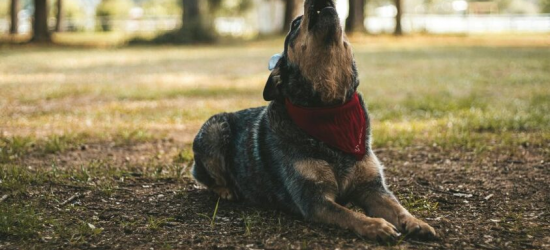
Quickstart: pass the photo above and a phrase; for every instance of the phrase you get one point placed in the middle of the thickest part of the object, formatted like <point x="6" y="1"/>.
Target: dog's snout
<point x="319" y="4"/>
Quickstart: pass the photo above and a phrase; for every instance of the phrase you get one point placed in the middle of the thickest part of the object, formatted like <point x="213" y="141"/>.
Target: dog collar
<point x="342" y="127"/>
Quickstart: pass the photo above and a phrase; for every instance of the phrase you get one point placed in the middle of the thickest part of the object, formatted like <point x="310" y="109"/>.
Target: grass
<point x="416" y="94"/>
<point x="28" y="219"/>
<point x="132" y="136"/>
<point x="16" y="179"/>
<point x="456" y="95"/>
<point x="213" y="218"/>
<point x="417" y="204"/>
<point x="254" y="219"/>
<point x="19" y="221"/>
<point x="155" y="224"/>
<point x="14" y="147"/>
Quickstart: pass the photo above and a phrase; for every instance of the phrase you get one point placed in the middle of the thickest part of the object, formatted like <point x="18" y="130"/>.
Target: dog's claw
<point x="417" y="228"/>
<point x="378" y="229"/>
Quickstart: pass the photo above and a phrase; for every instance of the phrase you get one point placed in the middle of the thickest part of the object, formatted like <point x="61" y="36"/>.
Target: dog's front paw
<point x="412" y="226"/>
<point x="377" y="229"/>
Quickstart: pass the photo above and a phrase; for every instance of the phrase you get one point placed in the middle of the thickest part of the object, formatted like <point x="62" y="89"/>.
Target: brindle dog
<point x="261" y="156"/>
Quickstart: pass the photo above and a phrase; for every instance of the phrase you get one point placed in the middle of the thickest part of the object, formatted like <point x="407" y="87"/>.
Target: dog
<point x="308" y="152"/>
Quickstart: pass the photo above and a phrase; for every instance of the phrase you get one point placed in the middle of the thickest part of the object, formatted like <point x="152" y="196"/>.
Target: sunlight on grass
<point x="455" y="95"/>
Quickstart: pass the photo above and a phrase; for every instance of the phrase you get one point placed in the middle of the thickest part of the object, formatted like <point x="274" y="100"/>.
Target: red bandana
<point x="341" y="127"/>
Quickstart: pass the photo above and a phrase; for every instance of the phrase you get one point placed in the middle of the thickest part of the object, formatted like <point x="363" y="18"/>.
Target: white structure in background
<point x="460" y="5"/>
<point x="462" y="24"/>
<point x="270" y="16"/>
<point x="459" y="17"/>
<point x="266" y="18"/>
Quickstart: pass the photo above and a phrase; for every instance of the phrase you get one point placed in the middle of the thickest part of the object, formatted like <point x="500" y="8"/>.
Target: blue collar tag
<point x="273" y="61"/>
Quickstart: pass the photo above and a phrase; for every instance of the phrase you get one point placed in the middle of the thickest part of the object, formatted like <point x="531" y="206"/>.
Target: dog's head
<point x="317" y="66"/>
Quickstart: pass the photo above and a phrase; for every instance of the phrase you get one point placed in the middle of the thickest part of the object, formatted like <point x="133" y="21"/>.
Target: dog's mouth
<point x="321" y="14"/>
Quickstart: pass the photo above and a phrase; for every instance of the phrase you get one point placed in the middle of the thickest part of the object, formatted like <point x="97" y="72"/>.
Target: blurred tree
<point x="4" y="8"/>
<point x="545" y="6"/>
<point x="197" y="23"/>
<point x="356" y="18"/>
<point x="40" y="23"/>
<point x="230" y="7"/>
<point x="293" y="8"/>
<point x="59" y="16"/>
<point x="109" y="9"/>
<point x="161" y="7"/>
<point x="70" y="10"/>
<point x="398" y="30"/>
<point x="14" y="19"/>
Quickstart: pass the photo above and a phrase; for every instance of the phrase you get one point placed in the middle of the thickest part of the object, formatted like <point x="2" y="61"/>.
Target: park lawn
<point x="95" y="143"/>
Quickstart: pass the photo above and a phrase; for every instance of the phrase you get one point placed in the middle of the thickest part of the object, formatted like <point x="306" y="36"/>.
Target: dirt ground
<point x="494" y="200"/>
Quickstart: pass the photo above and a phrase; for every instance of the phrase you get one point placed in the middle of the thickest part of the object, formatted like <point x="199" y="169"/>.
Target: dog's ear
<point x="271" y="90"/>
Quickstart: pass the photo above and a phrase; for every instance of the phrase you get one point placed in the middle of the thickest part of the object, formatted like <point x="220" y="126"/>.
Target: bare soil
<point x="490" y="200"/>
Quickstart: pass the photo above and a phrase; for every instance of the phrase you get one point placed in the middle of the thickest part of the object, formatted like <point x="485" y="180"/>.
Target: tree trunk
<point x="293" y="8"/>
<point x="59" y="18"/>
<point x="14" y="9"/>
<point x="195" y="12"/>
<point x="198" y="25"/>
<point x="40" y="22"/>
<point x="356" y="18"/>
<point x="398" y="31"/>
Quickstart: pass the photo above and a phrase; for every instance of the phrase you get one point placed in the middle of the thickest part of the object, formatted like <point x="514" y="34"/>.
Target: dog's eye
<point x="296" y="23"/>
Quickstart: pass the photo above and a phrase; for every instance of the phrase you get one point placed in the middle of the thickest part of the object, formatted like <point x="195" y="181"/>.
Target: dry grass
<point x="416" y="93"/>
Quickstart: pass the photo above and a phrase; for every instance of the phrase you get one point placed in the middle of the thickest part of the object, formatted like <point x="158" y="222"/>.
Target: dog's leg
<point x="210" y="149"/>
<point x="329" y="212"/>
<point x="377" y="201"/>
<point x="315" y="192"/>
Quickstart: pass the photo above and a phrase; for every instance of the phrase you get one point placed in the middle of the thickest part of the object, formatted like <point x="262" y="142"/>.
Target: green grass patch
<point x="132" y="137"/>
<point x="154" y="223"/>
<point x="14" y="147"/>
<point x="15" y="178"/>
<point x="57" y="144"/>
<point x="19" y="221"/>
<point x="417" y="204"/>
<point x="184" y="156"/>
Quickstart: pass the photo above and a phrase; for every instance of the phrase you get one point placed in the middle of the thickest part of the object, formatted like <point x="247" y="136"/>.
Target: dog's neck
<point x="302" y="92"/>
<point x="342" y="127"/>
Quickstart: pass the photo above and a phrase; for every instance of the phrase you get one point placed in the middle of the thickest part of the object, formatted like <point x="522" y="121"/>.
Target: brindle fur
<point x="261" y="156"/>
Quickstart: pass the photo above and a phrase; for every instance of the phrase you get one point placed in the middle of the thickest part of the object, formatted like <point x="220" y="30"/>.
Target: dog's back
<point x="246" y="161"/>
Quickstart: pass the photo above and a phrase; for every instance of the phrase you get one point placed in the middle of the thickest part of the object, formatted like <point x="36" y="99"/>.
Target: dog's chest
<point x="348" y="176"/>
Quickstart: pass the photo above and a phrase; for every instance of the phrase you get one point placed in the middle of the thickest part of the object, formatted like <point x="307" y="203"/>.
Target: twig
<point x="71" y="199"/>
<point x="486" y="246"/>
<point x="423" y="243"/>
<point x="124" y="189"/>
<point x="4" y="198"/>
<point x="378" y="150"/>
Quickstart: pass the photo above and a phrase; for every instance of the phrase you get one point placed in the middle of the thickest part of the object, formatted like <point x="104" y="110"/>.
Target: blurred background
<point x="95" y="67"/>
<point x="255" y="18"/>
